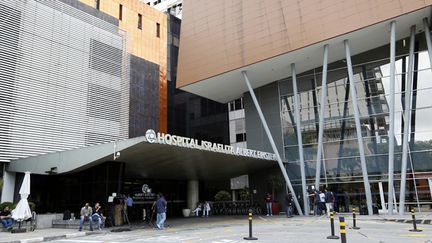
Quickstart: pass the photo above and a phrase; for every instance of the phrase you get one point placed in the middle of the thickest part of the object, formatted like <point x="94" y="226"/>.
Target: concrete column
<point x="192" y="194"/>
<point x="392" y="109"/>
<point x="407" y="120"/>
<point x="8" y="187"/>
<point x="321" y="120"/>
<point x="272" y="143"/>
<point x="358" y="128"/>
<point x="300" y="140"/>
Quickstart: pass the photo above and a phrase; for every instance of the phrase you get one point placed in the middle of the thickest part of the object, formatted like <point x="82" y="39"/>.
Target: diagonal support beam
<point x="407" y="118"/>
<point x="299" y="140"/>
<point x="358" y="128"/>
<point x="392" y="115"/>
<point x="272" y="143"/>
<point x="321" y="118"/>
<point x="428" y="39"/>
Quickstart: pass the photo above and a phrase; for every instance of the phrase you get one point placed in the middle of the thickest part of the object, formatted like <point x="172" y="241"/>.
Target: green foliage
<point x="276" y="183"/>
<point x="7" y="204"/>
<point x="222" y="196"/>
<point x="245" y="194"/>
<point x="1" y="183"/>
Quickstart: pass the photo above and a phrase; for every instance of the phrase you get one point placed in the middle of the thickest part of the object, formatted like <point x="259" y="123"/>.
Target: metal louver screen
<point x="64" y="79"/>
<point x="105" y="58"/>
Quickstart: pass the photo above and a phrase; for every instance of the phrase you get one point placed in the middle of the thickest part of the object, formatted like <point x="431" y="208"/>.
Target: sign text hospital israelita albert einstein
<point x="162" y="138"/>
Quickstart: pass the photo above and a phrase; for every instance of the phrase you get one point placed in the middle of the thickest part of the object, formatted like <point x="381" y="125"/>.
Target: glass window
<point x="120" y="12"/>
<point x="139" y="21"/>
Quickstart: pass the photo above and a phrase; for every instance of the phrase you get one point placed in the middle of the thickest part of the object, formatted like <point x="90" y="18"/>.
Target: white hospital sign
<point x="162" y="138"/>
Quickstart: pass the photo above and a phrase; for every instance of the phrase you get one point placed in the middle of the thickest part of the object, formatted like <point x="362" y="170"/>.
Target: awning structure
<point x="146" y="160"/>
<point x="229" y="85"/>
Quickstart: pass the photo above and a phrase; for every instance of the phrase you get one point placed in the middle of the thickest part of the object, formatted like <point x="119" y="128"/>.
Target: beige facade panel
<point x="224" y="35"/>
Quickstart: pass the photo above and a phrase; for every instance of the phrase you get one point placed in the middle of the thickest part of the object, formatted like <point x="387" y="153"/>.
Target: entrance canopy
<point x="267" y="58"/>
<point x="154" y="159"/>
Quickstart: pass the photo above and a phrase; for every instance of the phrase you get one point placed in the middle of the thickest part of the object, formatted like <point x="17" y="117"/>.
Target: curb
<point x="409" y="221"/>
<point x="52" y="237"/>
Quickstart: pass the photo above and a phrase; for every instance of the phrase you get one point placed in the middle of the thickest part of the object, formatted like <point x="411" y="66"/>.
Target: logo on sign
<point x="150" y="136"/>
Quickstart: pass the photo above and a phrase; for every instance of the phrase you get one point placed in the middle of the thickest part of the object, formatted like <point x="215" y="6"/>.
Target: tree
<point x="276" y="182"/>
<point x="222" y="196"/>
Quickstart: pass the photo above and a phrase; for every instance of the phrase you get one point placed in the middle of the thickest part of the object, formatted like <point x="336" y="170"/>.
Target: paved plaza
<point x="266" y="229"/>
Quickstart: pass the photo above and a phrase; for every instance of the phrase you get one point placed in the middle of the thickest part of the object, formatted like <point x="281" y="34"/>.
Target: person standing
<point x="322" y="202"/>
<point x="269" y="201"/>
<point x="129" y="204"/>
<point x="161" y="206"/>
<point x="6" y="218"/>
<point x="289" y="200"/>
<point x="329" y="199"/>
<point x="317" y="203"/>
<point x="86" y="214"/>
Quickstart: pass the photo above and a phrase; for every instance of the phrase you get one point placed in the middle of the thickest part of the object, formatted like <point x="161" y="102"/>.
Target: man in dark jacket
<point x="289" y="201"/>
<point x="6" y="218"/>
<point x="329" y="199"/>
<point x="161" y="205"/>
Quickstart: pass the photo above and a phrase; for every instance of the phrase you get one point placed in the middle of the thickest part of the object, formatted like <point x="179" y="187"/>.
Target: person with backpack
<point x="329" y="199"/>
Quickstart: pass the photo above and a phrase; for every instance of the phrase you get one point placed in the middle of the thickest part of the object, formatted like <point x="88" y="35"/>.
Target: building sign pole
<point x="358" y="128"/>
<point x="299" y="140"/>
<point x="321" y="119"/>
<point x="392" y="108"/>
<point x="272" y="143"/>
<point x="407" y="119"/>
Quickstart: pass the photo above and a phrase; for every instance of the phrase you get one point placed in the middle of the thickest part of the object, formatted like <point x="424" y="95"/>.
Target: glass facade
<point x="341" y="169"/>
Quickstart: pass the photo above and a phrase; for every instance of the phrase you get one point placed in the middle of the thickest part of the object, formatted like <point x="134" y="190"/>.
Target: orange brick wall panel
<point x="223" y="35"/>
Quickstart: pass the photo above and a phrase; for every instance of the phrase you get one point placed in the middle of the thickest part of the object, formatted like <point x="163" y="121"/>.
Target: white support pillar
<point x="428" y="40"/>
<point x="8" y="186"/>
<point x="321" y="118"/>
<point x="300" y="140"/>
<point x="272" y="143"/>
<point x="358" y="128"/>
<point x="192" y="194"/>
<point x="392" y="111"/>
<point x="407" y="122"/>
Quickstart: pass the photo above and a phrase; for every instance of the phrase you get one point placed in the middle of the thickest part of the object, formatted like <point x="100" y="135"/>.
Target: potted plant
<point x="222" y="196"/>
<point x="245" y="194"/>
<point x="277" y="183"/>
<point x="186" y="212"/>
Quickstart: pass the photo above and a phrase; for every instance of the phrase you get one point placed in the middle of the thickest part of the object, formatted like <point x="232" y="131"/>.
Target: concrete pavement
<point x="230" y="229"/>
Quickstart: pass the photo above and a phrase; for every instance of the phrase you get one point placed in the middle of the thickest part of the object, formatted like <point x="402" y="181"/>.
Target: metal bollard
<point x="332" y="236"/>
<point x="342" y="229"/>
<point x="414" y="222"/>
<point x="354" y="220"/>
<point x="250" y="228"/>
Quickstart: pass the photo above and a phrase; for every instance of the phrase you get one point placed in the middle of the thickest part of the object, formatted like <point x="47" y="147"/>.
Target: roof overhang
<point x="145" y="160"/>
<point x="230" y="85"/>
